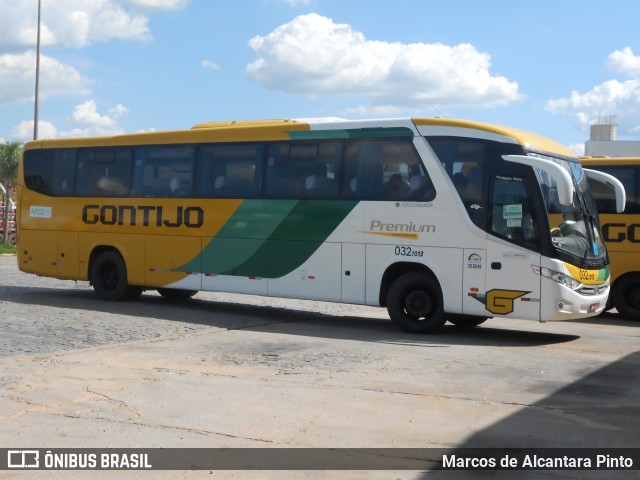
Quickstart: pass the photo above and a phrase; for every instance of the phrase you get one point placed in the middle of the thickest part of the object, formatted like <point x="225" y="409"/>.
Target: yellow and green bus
<point x="434" y="219"/>
<point x="620" y="230"/>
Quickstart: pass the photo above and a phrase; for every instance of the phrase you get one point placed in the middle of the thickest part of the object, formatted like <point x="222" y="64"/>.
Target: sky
<point x="107" y="67"/>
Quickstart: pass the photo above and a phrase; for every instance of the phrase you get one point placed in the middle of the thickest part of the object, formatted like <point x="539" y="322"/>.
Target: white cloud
<point x="24" y="130"/>
<point x="160" y="4"/>
<point x="210" y="64"/>
<point x="89" y="122"/>
<point x="77" y="23"/>
<point x="64" y="24"/>
<point x="613" y="97"/>
<point x="68" y="23"/>
<point x="295" y="3"/>
<point x="624" y="62"/>
<point x="87" y="114"/>
<point x="17" y="78"/>
<point x="312" y="55"/>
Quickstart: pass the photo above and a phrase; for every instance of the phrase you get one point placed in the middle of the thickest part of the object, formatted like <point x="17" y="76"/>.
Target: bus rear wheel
<point x="109" y="278"/>
<point x="414" y="303"/>
<point x="626" y="296"/>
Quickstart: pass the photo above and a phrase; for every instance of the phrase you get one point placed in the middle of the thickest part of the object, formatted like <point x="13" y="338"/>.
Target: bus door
<point x="512" y="287"/>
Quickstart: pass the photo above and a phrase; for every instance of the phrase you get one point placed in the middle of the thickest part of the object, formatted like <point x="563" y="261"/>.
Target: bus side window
<point x="164" y="171"/>
<point x="104" y="172"/>
<point x="51" y="172"/>
<point x="303" y="169"/>
<point x="229" y="170"/>
<point x="278" y="180"/>
<point x="604" y="195"/>
<point x="468" y="162"/>
<point x="363" y="169"/>
<point x="385" y="169"/>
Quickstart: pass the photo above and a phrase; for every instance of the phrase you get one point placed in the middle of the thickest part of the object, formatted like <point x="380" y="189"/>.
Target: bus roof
<point x="280" y="129"/>
<point x="527" y="139"/>
<point x="604" y="160"/>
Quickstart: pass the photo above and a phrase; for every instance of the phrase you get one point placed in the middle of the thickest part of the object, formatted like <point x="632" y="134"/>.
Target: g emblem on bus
<point x="500" y="301"/>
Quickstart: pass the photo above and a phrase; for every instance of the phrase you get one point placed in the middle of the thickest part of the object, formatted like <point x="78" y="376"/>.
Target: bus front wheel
<point x="626" y="296"/>
<point x="109" y="278"/>
<point x="414" y="303"/>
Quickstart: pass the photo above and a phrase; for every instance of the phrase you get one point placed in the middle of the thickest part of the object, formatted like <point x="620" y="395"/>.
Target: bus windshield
<point x="574" y="228"/>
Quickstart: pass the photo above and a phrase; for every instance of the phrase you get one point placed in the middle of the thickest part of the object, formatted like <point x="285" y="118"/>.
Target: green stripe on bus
<point x="296" y="238"/>
<point x="351" y="133"/>
<point x="270" y="238"/>
<point x="244" y="232"/>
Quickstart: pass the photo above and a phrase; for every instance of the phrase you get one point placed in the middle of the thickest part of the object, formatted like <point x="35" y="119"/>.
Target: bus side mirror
<point x="559" y="174"/>
<point x="621" y="194"/>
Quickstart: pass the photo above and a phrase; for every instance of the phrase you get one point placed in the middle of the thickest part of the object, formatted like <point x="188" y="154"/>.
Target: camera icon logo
<point x="23" y="459"/>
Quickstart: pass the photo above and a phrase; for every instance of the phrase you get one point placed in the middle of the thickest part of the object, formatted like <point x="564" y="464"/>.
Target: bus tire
<point x="466" y="321"/>
<point x="626" y="296"/>
<point x="109" y="278"/>
<point x="415" y="304"/>
<point x="176" y="293"/>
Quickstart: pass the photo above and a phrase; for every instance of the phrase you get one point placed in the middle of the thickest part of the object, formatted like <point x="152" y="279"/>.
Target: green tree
<point x="9" y="157"/>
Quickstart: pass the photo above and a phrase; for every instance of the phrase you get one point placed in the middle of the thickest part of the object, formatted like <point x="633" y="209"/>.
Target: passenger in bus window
<point x="420" y="185"/>
<point x="111" y="186"/>
<point x="180" y="187"/>
<point x="396" y="187"/>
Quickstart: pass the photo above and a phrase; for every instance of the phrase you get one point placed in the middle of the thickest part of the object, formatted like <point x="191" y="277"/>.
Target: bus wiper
<point x="589" y="219"/>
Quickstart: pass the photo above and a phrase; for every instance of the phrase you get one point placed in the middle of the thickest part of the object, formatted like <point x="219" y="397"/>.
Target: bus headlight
<point x="561" y="278"/>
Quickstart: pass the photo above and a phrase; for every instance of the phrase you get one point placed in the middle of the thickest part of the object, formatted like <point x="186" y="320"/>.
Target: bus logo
<point x="619" y="232"/>
<point x="145" y="215"/>
<point x="23" y="458"/>
<point x="398" y="230"/>
<point x="499" y="301"/>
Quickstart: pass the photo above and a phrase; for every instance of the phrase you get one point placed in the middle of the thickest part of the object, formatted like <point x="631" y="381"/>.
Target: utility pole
<point x="35" y="113"/>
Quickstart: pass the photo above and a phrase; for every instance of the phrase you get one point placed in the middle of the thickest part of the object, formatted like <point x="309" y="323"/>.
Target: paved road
<point x="214" y="372"/>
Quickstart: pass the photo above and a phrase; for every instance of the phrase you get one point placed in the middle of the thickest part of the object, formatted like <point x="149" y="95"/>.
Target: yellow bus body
<point x="621" y="231"/>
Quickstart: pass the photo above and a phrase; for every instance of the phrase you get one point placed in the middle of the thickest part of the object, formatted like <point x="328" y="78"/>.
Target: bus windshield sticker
<point x="512" y="211"/>
<point x="514" y="222"/>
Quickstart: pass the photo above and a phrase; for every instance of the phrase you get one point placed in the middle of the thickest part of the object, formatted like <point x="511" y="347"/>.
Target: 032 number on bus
<point x="403" y="251"/>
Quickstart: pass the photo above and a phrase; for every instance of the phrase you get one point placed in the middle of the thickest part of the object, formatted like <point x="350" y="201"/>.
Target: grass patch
<point x="6" y="248"/>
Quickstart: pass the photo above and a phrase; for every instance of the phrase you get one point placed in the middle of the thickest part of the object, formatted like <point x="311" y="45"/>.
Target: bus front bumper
<point x="569" y="304"/>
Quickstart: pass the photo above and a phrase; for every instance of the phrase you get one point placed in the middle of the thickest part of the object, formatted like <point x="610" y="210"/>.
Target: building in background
<point x="603" y="141"/>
